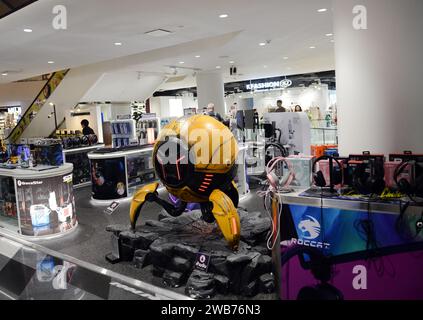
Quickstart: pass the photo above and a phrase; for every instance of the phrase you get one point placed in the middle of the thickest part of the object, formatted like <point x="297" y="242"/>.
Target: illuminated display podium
<point x="37" y="202"/>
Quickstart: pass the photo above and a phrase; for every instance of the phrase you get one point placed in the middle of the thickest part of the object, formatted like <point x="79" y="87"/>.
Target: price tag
<point x="112" y="208"/>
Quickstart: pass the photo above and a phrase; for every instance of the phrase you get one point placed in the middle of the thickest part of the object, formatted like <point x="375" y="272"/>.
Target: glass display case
<point x="37" y="202"/>
<point x="81" y="164"/>
<point x="324" y="136"/>
<point x="118" y="173"/>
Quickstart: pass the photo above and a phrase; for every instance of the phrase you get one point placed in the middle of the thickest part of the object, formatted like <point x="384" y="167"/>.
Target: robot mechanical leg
<point x="149" y="193"/>
<point x="226" y="217"/>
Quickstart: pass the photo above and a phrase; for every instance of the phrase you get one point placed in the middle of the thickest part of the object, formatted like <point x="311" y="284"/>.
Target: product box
<point x="324" y="167"/>
<point x="302" y="167"/>
<point x="390" y="167"/>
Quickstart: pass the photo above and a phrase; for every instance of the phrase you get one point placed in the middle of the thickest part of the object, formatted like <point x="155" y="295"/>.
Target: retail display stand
<point x="357" y="238"/>
<point x="37" y="202"/>
<point x="117" y="173"/>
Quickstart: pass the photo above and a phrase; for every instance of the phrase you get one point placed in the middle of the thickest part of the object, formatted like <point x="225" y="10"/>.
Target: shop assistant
<point x="86" y="130"/>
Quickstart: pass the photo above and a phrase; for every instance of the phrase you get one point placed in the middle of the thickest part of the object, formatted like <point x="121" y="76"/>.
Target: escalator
<point x="7" y="7"/>
<point x="40" y="100"/>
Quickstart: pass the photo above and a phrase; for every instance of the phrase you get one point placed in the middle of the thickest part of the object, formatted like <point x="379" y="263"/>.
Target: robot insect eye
<point x="172" y="162"/>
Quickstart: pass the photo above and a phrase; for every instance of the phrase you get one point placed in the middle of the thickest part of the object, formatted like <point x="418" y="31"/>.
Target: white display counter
<point x="37" y="202"/>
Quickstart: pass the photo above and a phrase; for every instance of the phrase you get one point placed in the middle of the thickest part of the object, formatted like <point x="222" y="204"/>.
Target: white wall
<point x="379" y="76"/>
<point x="160" y="105"/>
<point x="20" y="93"/>
<point x="74" y="123"/>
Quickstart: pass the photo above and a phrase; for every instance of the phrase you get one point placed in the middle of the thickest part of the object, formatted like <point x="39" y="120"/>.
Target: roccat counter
<point x="117" y="173"/>
<point x="364" y="249"/>
<point x="37" y="202"/>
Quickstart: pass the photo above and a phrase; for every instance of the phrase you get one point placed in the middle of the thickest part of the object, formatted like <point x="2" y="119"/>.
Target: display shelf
<point x="117" y="174"/>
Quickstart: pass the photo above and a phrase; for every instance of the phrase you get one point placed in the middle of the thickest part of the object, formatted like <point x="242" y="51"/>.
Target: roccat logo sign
<point x="309" y="230"/>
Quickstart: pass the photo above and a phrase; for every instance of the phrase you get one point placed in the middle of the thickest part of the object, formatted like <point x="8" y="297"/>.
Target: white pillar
<point x="379" y="74"/>
<point x="210" y="89"/>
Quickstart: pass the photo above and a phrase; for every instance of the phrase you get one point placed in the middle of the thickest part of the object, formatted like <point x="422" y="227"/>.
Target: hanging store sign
<point x="286" y="83"/>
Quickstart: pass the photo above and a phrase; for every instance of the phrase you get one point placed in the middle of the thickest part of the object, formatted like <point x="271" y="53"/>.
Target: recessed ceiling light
<point x="118" y="43"/>
<point x="50" y="62"/>
<point x="27" y="30"/>
<point x="4" y="74"/>
<point x="329" y="34"/>
<point x="285" y="58"/>
<point x="222" y="16"/>
<point x="231" y="62"/>
<point x="322" y="10"/>
<point x="218" y="67"/>
<point x="332" y="40"/>
<point x="181" y="62"/>
<point x="197" y="56"/>
<point x="262" y="44"/>
<point x="312" y="47"/>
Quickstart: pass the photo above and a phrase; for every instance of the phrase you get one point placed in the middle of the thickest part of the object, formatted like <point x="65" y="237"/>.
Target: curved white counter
<point x="37" y="202"/>
<point x="37" y="172"/>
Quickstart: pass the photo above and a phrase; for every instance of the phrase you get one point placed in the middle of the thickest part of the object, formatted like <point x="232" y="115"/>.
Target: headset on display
<point x="415" y="188"/>
<point x="369" y="184"/>
<point x="337" y="177"/>
<point x="274" y="180"/>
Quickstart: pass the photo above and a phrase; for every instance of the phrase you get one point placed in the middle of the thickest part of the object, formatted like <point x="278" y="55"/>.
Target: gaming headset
<point x="369" y="183"/>
<point x="272" y="177"/>
<point x="415" y="188"/>
<point x="318" y="177"/>
<point x="321" y="270"/>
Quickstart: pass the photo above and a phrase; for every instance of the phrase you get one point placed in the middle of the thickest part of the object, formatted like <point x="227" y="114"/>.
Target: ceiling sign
<point x="269" y="85"/>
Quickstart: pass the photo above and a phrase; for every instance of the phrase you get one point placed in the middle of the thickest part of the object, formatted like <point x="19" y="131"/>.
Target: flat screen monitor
<point x="240" y="119"/>
<point x="249" y="119"/>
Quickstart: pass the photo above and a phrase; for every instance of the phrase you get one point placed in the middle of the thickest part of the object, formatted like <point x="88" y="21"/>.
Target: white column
<point x="210" y="89"/>
<point x="379" y="74"/>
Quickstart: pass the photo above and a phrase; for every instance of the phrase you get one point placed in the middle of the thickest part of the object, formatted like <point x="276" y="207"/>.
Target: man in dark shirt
<point x="86" y="130"/>
<point x="279" y="107"/>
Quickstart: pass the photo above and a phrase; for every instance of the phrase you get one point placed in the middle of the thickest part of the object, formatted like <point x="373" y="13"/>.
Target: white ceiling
<point x="95" y="25"/>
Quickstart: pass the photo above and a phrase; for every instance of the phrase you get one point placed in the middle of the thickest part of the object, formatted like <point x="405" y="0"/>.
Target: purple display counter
<point x="370" y="250"/>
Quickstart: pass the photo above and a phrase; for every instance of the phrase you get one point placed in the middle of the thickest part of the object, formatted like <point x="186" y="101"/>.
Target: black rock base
<point x="171" y="246"/>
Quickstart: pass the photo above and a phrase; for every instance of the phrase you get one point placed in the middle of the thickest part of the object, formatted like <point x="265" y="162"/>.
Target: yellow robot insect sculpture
<point x="195" y="159"/>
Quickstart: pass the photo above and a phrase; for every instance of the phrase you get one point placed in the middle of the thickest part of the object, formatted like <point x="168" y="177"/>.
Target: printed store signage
<point x="46" y="206"/>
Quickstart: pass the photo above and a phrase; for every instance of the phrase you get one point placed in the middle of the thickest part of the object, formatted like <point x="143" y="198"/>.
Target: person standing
<point x="279" y="107"/>
<point x="212" y="113"/>
<point x="298" y="108"/>
<point x="86" y="130"/>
